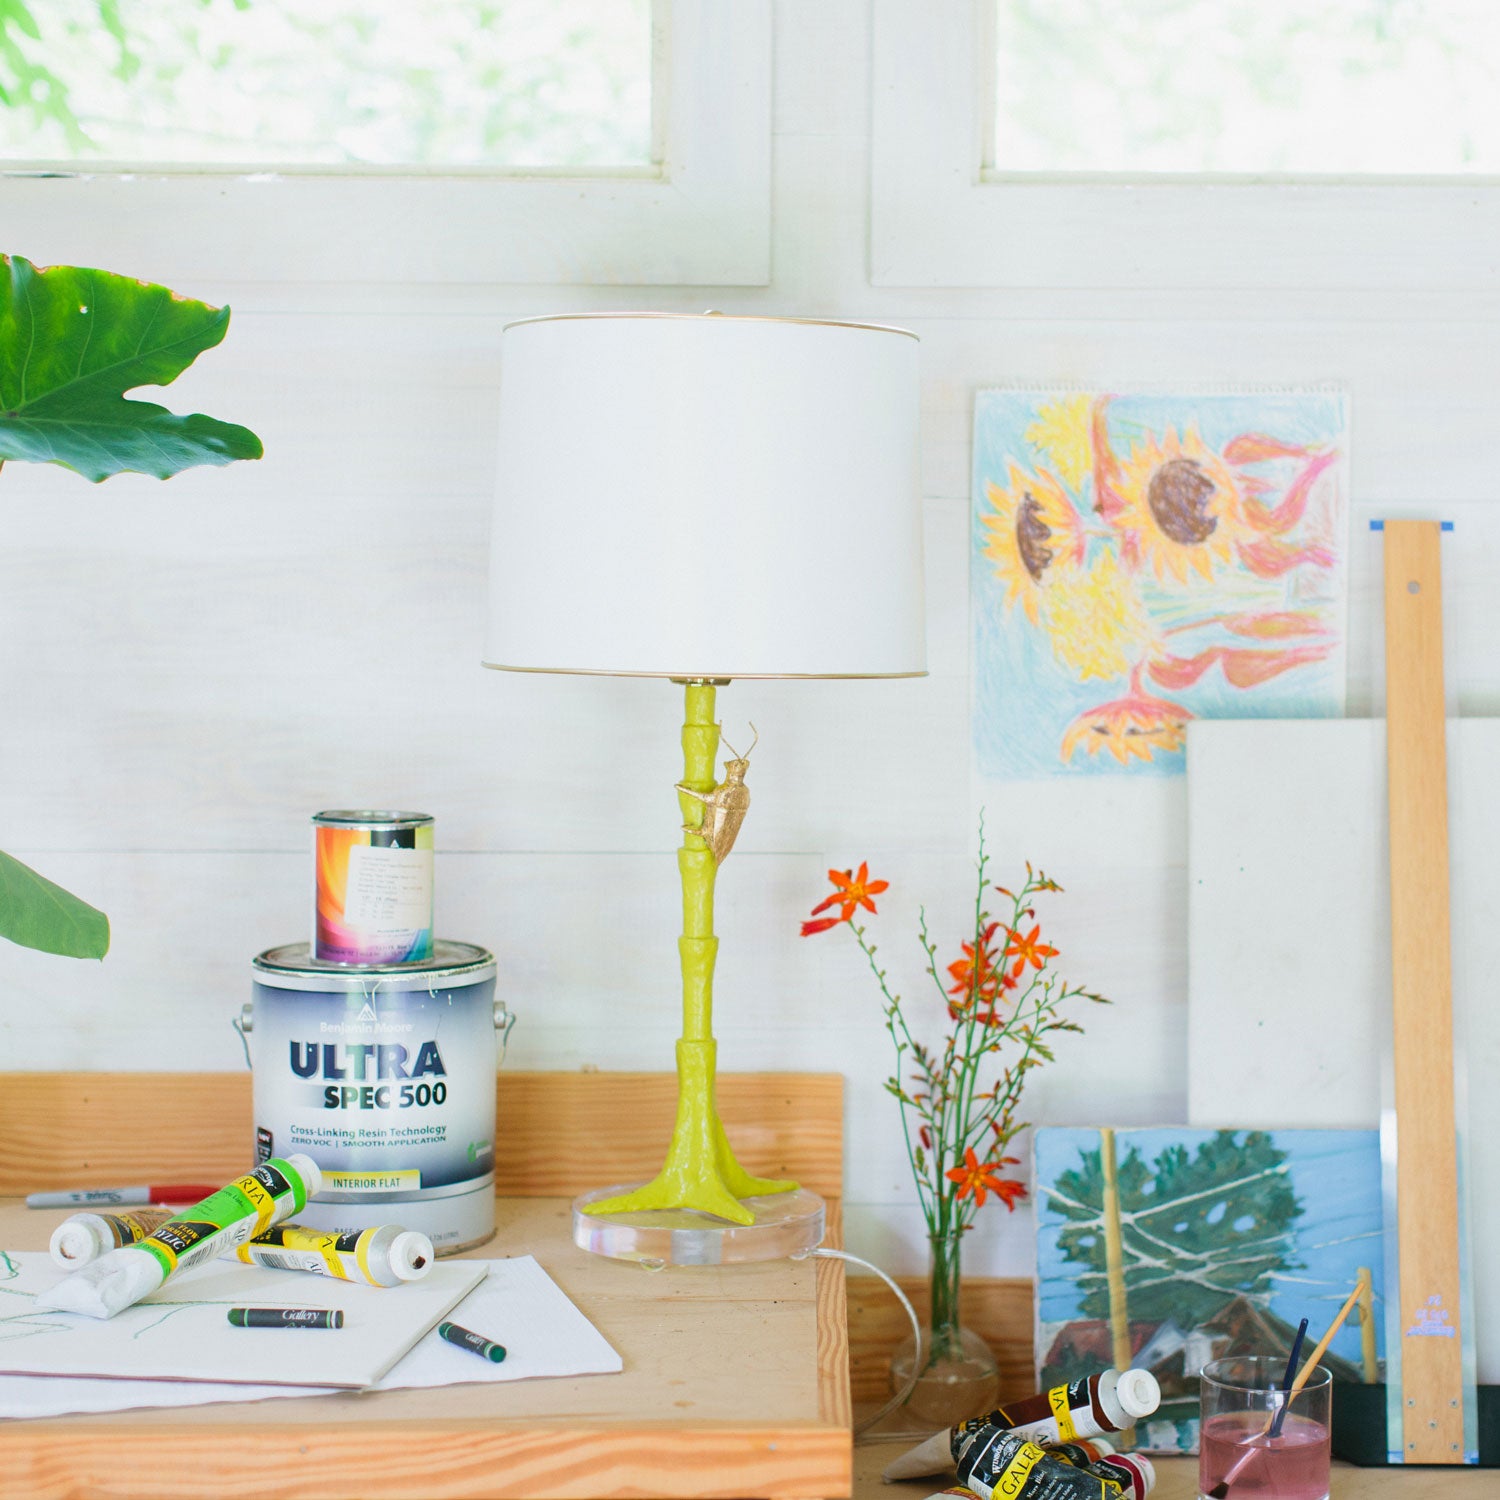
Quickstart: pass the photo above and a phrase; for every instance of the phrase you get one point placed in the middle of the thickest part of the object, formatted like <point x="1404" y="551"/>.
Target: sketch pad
<point x="518" y="1304"/>
<point x="182" y="1331"/>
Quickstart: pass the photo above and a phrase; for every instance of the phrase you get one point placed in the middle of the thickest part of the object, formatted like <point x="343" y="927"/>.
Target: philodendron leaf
<point x="37" y="914"/>
<point x="72" y="342"/>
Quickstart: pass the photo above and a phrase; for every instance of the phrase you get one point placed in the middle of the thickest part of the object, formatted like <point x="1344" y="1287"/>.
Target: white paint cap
<point x="307" y="1169"/>
<point x="75" y="1242"/>
<point x="1138" y="1393"/>
<point x="411" y="1255"/>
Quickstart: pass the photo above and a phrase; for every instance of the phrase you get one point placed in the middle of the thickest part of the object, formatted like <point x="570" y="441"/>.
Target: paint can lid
<point x="411" y="1255"/>
<point x="378" y="818"/>
<point x="293" y="967"/>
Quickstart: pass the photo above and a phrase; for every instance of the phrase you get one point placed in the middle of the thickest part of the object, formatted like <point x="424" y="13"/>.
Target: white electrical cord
<point x="916" y="1332"/>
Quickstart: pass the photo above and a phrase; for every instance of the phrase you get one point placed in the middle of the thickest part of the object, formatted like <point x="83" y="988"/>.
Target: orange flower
<point x="821" y="925"/>
<point x="976" y="977"/>
<point x="1132" y="726"/>
<point x="852" y="891"/>
<point x="979" y="1178"/>
<point x="1024" y="949"/>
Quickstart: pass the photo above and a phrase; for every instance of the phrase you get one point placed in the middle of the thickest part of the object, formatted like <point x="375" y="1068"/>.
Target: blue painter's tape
<point x="1380" y="525"/>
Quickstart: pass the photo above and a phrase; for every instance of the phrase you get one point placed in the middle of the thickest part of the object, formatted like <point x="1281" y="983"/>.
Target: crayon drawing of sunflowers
<point x="1141" y="561"/>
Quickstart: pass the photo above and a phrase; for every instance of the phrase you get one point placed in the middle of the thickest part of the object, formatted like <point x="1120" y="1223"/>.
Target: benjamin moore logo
<point x="368" y="1013"/>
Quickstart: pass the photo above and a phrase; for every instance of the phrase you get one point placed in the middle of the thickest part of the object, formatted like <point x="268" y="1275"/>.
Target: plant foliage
<point x="37" y="914"/>
<point x="72" y="342"/>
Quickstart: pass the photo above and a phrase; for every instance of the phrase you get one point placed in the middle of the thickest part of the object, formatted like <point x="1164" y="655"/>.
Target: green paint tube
<point x="249" y="1206"/>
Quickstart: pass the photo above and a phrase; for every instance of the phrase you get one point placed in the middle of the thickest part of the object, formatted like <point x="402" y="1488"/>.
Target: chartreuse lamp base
<point x="702" y="1208"/>
<point x="782" y="1224"/>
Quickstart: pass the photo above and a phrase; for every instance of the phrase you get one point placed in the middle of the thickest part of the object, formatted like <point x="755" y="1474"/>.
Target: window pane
<point x="501" y="83"/>
<point x="1285" y="86"/>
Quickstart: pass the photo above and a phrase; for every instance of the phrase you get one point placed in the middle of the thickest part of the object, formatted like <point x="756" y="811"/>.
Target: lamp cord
<point x="901" y="1396"/>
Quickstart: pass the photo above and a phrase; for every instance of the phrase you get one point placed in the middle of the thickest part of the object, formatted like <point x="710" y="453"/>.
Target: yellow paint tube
<point x="82" y="1238"/>
<point x="246" y="1207"/>
<point x="384" y="1256"/>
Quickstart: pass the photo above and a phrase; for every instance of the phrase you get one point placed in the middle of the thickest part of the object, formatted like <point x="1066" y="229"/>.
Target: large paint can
<point x="374" y="886"/>
<point x="385" y="1076"/>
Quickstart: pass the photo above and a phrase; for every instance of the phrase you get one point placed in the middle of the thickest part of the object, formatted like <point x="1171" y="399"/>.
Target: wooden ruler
<point x="1421" y="966"/>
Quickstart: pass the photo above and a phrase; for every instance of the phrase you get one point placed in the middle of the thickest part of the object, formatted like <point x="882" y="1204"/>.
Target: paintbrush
<point x="1221" y="1489"/>
<point x="1286" y="1380"/>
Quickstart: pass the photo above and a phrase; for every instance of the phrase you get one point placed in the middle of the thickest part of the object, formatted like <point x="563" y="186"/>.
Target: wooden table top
<point x="728" y="1372"/>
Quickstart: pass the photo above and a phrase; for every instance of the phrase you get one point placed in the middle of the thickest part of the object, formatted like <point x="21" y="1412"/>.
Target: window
<point x="948" y="210"/>
<point x="497" y="83"/>
<point x="1247" y="86"/>
<point x="408" y="168"/>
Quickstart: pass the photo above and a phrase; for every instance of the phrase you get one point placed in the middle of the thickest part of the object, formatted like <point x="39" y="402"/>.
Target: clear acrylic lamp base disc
<point x="785" y="1224"/>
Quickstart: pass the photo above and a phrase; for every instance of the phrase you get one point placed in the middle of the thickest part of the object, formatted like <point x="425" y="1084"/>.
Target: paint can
<point x="374" y="886"/>
<point x="385" y="1076"/>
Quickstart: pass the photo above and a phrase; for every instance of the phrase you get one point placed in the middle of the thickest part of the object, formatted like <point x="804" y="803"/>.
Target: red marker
<point x="125" y="1197"/>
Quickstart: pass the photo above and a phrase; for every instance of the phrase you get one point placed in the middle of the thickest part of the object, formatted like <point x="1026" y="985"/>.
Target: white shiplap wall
<point x="189" y="670"/>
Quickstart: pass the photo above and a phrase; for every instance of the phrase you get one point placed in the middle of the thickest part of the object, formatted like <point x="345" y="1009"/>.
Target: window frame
<point x="701" y="215"/>
<point x="941" y="217"/>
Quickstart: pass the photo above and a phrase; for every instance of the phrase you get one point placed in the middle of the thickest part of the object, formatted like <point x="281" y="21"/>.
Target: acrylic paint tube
<point x="82" y="1238"/>
<point x="1107" y="1402"/>
<point x="1005" y="1465"/>
<point x="1088" y="1408"/>
<point x="1134" y="1474"/>
<point x="249" y="1206"/>
<point x="384" y="1256"/>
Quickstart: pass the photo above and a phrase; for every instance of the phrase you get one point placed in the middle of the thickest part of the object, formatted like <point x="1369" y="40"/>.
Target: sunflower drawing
<point x="1176" y="506"/>
<point x="1034" y="533"/>
<point x="1144" y="560"/>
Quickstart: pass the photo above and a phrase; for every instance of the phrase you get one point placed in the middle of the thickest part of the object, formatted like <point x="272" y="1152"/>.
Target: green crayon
<point x="476" y="1343"/>
<point x="286" y="1317"/>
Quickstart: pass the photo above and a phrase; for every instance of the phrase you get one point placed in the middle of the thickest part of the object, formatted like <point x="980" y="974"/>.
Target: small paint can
<point x="374" y="886"/>
<point x="385" y="1076"/>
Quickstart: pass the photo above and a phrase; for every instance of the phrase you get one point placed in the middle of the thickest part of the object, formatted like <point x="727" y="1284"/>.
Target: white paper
<point x="182" y="1331"/>
<point x="389" y="889"/>
<point x="517" y="1305"/>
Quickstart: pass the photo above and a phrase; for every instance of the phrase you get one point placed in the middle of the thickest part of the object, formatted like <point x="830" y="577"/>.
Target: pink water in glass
<point x="1292" y="1466"/>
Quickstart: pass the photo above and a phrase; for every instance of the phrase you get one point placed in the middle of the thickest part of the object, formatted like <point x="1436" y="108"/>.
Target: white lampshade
<point x="707" y="496"/>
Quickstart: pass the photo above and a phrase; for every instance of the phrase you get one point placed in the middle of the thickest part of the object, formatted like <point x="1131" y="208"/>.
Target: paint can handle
<point x="244" y="1024"/>
<point x="504" y="1020"/>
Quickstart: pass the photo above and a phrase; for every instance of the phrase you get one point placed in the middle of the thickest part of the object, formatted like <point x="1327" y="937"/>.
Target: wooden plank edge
<point x="427" y="1461"/>
<point x="835" y="1402"/>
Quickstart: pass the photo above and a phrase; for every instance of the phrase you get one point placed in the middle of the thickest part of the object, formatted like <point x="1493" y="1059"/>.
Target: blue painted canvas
<point x="1228" y="1239"/>
<point x="1139" y="561"/>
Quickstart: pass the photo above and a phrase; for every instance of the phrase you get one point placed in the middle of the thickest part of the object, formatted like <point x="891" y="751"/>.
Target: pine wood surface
<point x="997" y="1308"/>
<point x="1177" y="1479"/>
<point x="730" y="1387"/>
<point x="735" y="1379"/>
<point x="1422" y="989"/>
<point x="564" y="1132"/>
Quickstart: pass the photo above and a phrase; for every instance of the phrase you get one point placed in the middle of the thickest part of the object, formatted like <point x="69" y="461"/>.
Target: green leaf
<point x="37" y="914"/>
<point x="72" y="342"/>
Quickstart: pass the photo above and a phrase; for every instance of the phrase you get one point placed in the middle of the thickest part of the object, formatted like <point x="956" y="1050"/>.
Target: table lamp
<point x="700" y="497"/>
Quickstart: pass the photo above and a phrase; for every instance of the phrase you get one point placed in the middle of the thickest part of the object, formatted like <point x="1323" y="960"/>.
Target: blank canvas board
<point x="517" y="1305"/>
<point x="1289" y="968"/>
<point x="182" y="1331"/>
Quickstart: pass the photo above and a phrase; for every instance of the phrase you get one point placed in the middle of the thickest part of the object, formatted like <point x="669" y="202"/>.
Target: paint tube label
<point x="128" y="1228"/>
<point x="236" y="1213"/>
<point x="1007" y="1467"/>
<point x="1058" y="1400"/>
<point x="1062" y="1414"/>
<point x="1133" y="1477"/>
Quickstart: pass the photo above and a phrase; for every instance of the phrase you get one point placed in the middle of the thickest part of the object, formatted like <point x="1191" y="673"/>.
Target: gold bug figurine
<point x="725" y="807"/>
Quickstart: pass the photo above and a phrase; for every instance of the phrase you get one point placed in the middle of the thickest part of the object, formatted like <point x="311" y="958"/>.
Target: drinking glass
<point x="1238" y="1458"/>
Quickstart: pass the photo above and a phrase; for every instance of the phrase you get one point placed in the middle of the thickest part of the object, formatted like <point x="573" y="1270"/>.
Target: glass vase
<point x="957" y="1376"/>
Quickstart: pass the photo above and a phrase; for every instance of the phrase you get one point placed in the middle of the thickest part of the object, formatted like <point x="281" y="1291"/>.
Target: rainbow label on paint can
<point x="386" y="1078"/>
<point x="374" y="887"/>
